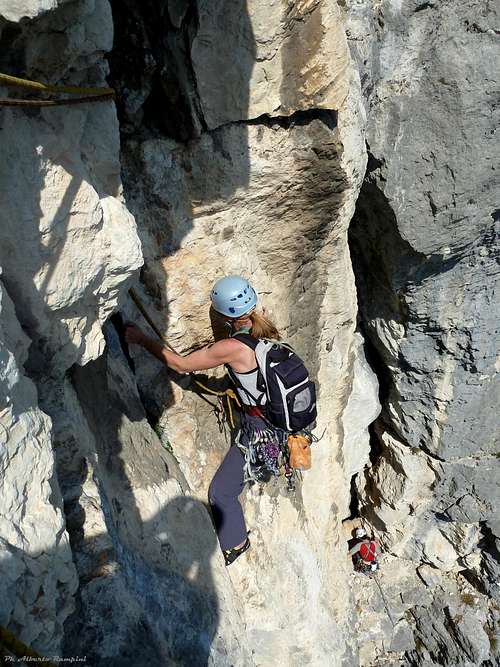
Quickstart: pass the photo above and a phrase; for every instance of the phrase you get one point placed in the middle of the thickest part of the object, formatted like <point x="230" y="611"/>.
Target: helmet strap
<point x="242" y="330"/>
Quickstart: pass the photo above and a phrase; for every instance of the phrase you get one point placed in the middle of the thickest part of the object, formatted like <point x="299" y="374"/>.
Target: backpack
<point x="290" y="394"/>
<point x="367" y="551"/>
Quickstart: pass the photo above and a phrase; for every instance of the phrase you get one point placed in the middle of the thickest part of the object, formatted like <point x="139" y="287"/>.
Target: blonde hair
<point x="262" y="327"/>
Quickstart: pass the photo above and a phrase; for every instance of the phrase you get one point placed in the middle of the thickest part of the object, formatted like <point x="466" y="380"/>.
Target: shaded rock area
<point x="425" y="250"/>
<point x="145" y="550"/>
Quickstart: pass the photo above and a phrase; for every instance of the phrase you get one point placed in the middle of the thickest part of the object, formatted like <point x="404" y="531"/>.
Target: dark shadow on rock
<point x="142" y="608"/>
<point x="166" y="64"/>
<point x="146" y="586"/>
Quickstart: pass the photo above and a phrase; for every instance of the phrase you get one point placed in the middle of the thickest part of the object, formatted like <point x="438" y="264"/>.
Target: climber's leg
<point x="223" y="493"/>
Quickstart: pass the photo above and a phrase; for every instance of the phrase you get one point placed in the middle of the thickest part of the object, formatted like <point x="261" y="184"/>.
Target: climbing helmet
<point x="233" y="296"/>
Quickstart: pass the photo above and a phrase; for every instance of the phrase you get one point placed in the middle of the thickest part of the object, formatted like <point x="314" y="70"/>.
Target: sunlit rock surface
<point x="38" y="578"/>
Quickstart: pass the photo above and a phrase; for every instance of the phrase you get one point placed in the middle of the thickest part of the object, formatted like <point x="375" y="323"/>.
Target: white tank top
<point x="248" y="380"/>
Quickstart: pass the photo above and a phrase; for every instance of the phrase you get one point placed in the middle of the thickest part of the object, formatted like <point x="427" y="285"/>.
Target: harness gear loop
<point x="84" y="93"/>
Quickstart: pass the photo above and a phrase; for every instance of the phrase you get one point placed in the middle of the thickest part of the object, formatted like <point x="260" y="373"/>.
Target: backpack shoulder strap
<point x="247" y="338"/>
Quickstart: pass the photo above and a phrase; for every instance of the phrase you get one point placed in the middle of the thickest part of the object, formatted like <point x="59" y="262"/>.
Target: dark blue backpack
<point x="290" y="398"/>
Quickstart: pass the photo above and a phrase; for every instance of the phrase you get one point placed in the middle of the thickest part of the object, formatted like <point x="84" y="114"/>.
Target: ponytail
<point x="262" y="327"/>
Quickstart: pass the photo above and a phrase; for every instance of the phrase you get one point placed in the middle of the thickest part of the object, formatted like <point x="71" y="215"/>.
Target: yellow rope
<point x="11" y="102"/>
<point x="85" y="94"/>
<point x="229" y="393"/>
<point x="49" y="88"/>
<point x="19" y="649"/>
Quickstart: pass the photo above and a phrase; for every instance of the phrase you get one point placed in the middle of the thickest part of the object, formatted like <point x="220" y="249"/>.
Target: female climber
<point x="235" y="300"/>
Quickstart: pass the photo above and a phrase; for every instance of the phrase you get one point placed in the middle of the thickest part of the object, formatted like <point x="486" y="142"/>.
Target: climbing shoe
<point x="230" y="555"/>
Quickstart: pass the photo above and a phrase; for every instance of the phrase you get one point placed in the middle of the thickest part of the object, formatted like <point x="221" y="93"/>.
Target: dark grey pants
<point x="227" y="485"/>
<point x="223" y="493"/>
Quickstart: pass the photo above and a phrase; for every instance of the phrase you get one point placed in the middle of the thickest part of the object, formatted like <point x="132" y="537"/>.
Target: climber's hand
<point x="134" y="334"/>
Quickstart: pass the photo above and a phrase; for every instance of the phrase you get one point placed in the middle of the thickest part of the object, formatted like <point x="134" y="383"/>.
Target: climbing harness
<point x="83" y="94"/>
<point x="9" y="644"/>
<point x="267" y="452"/>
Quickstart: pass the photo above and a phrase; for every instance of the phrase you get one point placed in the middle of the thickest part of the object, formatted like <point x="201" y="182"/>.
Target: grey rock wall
<point x="38" y="578"/>
<point x="256" y="172"/>
<point x="425" y="246"/>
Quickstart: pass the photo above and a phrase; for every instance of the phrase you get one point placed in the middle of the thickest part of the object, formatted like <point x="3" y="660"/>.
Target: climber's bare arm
<point x="223" y="352"/>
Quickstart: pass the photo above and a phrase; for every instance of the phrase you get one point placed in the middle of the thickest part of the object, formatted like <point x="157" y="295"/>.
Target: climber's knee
<point x="214" y="492"/>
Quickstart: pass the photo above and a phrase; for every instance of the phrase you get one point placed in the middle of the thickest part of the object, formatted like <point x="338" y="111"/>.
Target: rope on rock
<point x="230" y="395"/>
<point x="85" y="94"/>
<point x="16" y="647"/>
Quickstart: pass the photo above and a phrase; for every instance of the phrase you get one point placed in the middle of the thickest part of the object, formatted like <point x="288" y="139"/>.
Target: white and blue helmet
<point x="233" y="296"/>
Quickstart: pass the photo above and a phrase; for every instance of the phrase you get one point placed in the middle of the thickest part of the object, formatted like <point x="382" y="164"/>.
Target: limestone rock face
<point x="425" y="246"/>
<point x="15" y="10"/>
<point x="432" y="224"/>
<point x="61" y="183"/>
<point x="38" y="578"/>
<point x="67" y="247"/>
<point x="286" y="57"/>
<point x="271" y="199"/>
<point x="142" y="543"/>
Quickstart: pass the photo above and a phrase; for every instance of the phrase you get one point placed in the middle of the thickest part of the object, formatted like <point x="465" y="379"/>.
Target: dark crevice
<point x="386" y="269"/>
<point x="152" y="70"/>
<point x="354" y="504"/>
<point x="300" y="118"/>
<point x="423" y="6"/>
<point x="296" y="119"/>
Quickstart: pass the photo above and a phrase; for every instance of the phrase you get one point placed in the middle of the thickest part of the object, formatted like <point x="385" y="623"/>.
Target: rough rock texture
<point x="140" y="540"/>
<point x="269" y="198"/>
<point x="425" y="243"/>
<point x="60" y="176"/>
<point x="67" y="246"/>
<point x="38" y="577"/>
